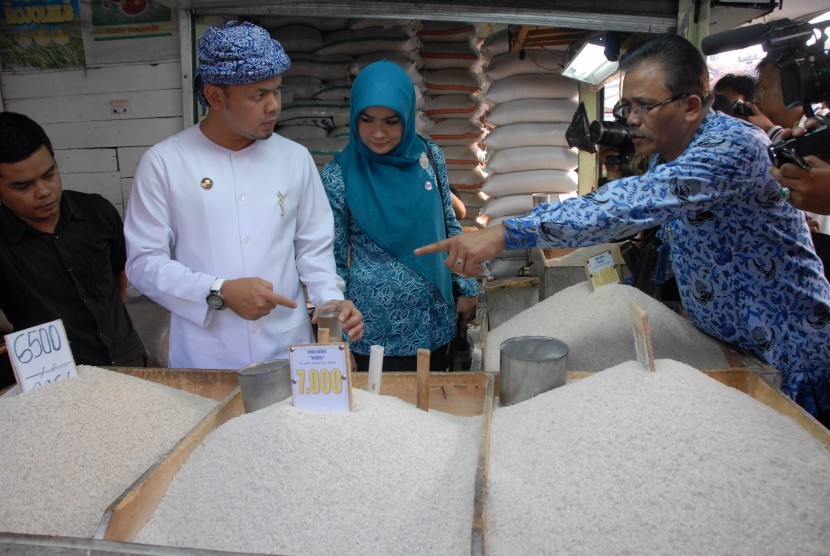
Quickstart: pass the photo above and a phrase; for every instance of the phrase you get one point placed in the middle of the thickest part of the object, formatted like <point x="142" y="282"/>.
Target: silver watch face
<point x="216" y="301"/>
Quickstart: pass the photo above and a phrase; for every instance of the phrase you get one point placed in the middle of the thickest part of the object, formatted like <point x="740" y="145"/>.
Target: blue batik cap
<point x="238" y="54"/>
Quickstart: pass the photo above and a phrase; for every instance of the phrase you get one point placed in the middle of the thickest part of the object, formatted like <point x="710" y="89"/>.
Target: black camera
<point x="611" y="134"/>
<point x="587" y="136"/>
<point x="741" y="109"/>
<point x="804" y="81"/>
<point x="815" y="142"/>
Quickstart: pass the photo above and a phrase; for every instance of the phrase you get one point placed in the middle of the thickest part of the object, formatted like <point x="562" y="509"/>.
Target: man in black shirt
<point x="62" y="253"/>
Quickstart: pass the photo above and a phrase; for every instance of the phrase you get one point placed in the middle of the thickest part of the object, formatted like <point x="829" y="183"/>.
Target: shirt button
<point x="246" y="239"/>
<point x="242" y="197"/>
<point x="253" y="330"/>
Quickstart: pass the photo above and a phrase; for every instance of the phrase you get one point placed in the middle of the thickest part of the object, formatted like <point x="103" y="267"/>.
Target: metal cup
<point x="264" y="384"/>
<point x="530" y="365"/>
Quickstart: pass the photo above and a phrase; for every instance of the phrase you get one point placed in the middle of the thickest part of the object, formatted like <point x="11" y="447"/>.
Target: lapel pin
<point x="206" y="183"/>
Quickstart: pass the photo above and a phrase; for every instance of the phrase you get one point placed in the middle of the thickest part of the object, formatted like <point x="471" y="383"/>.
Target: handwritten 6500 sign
<point x="40" y="355"/>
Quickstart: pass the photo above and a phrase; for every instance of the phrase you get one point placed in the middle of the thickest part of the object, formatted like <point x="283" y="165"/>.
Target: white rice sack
<point x="451" y="81"/>
<point x="301" y="87"/>
<point x="455" y="129"/>
<point x="322" y="24"/>
<point x="597" y="328"/>
<point x="336" y="89"/>
<point x="509" y="205"/>
<point x="446" y="31"/>
<point x="452" y="106"/>
<point x="355" y="42"/>
<point x="495" y="44"/>
<point x="445" y="55"/>
<point x="71" y="448"/>
<point x="531" y="181"/>
<point x="298" y="132"/>
<point x="532" y="110"/>
<point x="298" y="38"/>
<point x="284" y="481"/>
<point x="463" y="155"/>
<point x="326" y="114"/>
<point x="323" y="149"/>
<point x="340" y="131"/>
<point x="532" y="158"/>
<point x="466" y="178"/>
<point x="471" y="198"/>
<point x="325" y="68"/>
<point x="534" y="62"/>
<point x="526" y="134"/>
<point x="531" y="86"/>
<point x="368" y="22"/>
<point x="409" y="62"/>
<point x="628" y="461"/>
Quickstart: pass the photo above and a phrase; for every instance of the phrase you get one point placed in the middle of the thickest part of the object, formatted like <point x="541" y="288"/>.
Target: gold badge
<point x="424" y="160"/>
<point x="282" y="203"/>
<point x="206" y="183"/>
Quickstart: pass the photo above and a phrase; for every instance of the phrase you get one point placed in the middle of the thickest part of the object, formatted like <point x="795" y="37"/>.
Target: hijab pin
<point x="428" y="185"/>
<point x="282" y="203"/>
<point x="424" y="161"/>
<point x="206" y="183"/>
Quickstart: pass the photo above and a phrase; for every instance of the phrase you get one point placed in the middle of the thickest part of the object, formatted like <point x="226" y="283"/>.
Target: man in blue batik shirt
<point x="743" y="257"/>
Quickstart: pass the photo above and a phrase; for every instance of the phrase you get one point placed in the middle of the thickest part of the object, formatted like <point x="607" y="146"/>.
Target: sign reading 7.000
<point x="40" y="355"/>
<point x="320" y="377"/>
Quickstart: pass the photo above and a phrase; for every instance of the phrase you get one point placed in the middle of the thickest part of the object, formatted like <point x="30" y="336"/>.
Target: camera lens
<point x="610" y="134"/>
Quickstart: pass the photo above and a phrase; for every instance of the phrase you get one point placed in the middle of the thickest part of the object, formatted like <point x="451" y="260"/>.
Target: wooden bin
<point x="745" y="380"/>
<point x="462" y="394"/>
<point x="123" y="519"/>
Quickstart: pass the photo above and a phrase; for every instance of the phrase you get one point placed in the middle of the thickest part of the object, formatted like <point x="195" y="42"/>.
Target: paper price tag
<point x="40" y="355"/>
<point x="642" y="336"/>
<point x="601" y="270"/>
<point x="321" y="377"/>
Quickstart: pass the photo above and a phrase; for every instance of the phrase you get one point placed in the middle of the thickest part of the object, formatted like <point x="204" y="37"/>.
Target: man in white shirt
<point x="227" y="221"/>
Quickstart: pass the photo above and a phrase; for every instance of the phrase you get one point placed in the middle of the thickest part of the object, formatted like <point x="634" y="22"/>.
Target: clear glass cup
<point x="328" y="316"/>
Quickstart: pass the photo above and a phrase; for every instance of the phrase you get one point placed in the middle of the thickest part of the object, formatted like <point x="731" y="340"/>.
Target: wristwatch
<point x="214" y="298"/>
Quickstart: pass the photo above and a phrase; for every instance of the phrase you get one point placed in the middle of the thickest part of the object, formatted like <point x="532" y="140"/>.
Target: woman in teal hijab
<point x="389" y="193"/>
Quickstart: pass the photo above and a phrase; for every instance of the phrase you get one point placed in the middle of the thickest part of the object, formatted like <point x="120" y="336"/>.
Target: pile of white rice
<point x="386" y="478"/>
<point x="672" y="462"/>
<point x="597" y="328"/>
<point x="69" y="449"/>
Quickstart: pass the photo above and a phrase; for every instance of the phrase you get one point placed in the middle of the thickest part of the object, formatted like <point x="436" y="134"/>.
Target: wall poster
<point x="117" y="31"/>
<point x="40" y="34"/>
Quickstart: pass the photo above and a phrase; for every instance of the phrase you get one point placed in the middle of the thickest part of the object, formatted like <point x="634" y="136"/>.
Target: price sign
<point x="41" y="355"/>
<point x="321" y="378"/>
<point x="601" y="270"/>
<point x="642" y="336"/>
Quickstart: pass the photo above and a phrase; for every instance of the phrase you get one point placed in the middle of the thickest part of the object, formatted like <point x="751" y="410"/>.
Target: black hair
<point x="683" y="64"/>
<point x="20" y="137"/>
<point x="742" y="84"/>
<point x="722" y="104"/>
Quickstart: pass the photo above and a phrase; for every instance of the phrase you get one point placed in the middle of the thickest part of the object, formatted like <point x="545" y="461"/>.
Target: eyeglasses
<point x="622" y="111"/>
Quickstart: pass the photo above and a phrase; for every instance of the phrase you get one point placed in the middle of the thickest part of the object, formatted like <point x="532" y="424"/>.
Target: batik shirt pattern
<point x="743" y="257"/>
<point x="402" y="311"/>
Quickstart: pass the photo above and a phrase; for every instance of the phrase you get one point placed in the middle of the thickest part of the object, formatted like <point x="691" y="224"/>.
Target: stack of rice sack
<point x="530" y="107"/>
<point x="451" y="77"/>
<point x="313" y="100"/>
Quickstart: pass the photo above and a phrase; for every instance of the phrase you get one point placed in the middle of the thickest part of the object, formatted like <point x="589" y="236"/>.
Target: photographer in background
<point x="806" y="189"/>
<point x="736" y="87"/>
